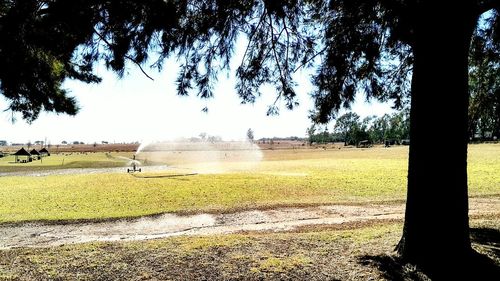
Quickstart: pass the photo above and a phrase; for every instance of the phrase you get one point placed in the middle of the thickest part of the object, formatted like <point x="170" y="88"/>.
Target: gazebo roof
<point x="22" y="152"/>
<point x="34" y="152"/>
<point x="43" y="150"/>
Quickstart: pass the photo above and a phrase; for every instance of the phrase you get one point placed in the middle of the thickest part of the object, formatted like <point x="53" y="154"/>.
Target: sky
<point x="135" y="108"/>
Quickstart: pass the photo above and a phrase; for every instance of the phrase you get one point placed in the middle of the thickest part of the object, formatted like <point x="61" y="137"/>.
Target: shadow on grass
<point x="393" y="268"/>
<point x="489" y="240"/>
<point x="480" y="266"/>
<point x="165" y="176"/>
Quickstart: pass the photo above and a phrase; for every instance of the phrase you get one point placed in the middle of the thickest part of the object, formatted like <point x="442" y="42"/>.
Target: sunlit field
<point x="292" y="177"/>
<point x="66" y="160"/>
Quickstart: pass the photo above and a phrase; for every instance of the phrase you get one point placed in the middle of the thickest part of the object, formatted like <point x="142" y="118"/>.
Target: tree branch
<point x="125" y="55"/>
<point x="287" y="42"/>
<point x="309" y="60"/>
<point x="273" y="45"/>
<point x="252" y="35"/>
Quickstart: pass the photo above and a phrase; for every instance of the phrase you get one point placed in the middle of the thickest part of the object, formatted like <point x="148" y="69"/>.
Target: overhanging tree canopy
<point x="373" y="46"/>
<point x="356" y="45"/>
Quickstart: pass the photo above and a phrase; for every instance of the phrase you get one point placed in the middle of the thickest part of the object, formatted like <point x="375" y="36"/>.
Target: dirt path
<point x="80" y="171"/>
<point x="280" y="219"/>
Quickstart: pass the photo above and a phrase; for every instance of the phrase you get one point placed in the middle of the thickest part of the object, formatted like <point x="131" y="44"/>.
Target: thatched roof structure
<point x="44" y="151"/>
<point x="22" y="152"/>
<point x="34" y="152"/>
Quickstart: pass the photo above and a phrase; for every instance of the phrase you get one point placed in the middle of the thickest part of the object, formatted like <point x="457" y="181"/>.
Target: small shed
<point x="35" y="154"/>
<point x="44" y="152"/>
<point x="20" y="154"/>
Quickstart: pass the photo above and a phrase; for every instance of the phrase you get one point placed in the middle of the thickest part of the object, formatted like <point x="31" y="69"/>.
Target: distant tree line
<point x="351" y="129"/>
<point x="204" y="137"/>
<point x="278" y="139"/>
<point x="484" y="119"/>
<point x="484" y="103"/>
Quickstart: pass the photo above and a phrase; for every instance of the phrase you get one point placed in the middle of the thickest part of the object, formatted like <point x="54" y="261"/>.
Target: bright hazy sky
<point x="137" y="109"/>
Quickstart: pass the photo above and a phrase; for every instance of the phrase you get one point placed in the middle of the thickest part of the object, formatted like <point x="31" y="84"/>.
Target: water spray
<point x="194" y="156"/>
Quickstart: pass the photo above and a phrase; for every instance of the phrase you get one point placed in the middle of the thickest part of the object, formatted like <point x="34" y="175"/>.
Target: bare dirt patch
<point x="168" y="225"/>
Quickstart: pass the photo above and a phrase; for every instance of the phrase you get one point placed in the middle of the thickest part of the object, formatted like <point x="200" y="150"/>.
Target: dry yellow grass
<point x="284" y="177"/>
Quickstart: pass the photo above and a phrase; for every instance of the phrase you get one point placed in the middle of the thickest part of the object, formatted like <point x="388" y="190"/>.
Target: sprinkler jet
<point x="134" y="164"/>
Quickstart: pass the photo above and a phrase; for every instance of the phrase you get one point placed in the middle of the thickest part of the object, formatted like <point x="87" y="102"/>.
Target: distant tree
<point x="484" y="105"/>
<point x="390" y="127"/>
<point x="366" y="127"/>
<point x="347" y="126"/>
<point x="310" y="132"/>
<point x="250" y="135"/>
<point x="399" y="126"/>
<point x="203" y="136"/>
<point x="324" y="136"/>
<point x="380" y="128"/>
<point x="214" y="139"/>
<point x="367" y="122"/>
<point x="359" y="134"/>
<point x="403" y="129"/>
<point x="374" y="46"/>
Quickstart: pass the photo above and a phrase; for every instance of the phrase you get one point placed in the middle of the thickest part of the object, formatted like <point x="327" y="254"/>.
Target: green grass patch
<point x="65" y="161"/>
<point x="270" y="263"/>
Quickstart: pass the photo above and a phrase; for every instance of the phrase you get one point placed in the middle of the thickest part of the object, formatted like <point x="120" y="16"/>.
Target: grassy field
<point x="352" y="251"/>
<point x="291" y="177"/>
<point x="65" y="161"/>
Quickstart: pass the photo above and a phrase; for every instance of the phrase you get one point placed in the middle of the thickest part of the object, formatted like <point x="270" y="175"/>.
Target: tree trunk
<point x="436" y="228"/>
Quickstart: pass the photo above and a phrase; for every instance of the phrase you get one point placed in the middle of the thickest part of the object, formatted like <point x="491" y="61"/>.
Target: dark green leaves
<point x="352" y="46"/>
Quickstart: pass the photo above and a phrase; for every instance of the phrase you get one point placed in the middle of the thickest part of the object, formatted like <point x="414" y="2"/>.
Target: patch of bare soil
<point x="168" y="225"/>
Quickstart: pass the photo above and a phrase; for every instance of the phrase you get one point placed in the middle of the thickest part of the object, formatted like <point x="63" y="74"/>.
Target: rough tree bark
<point x="436" y="228"/>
